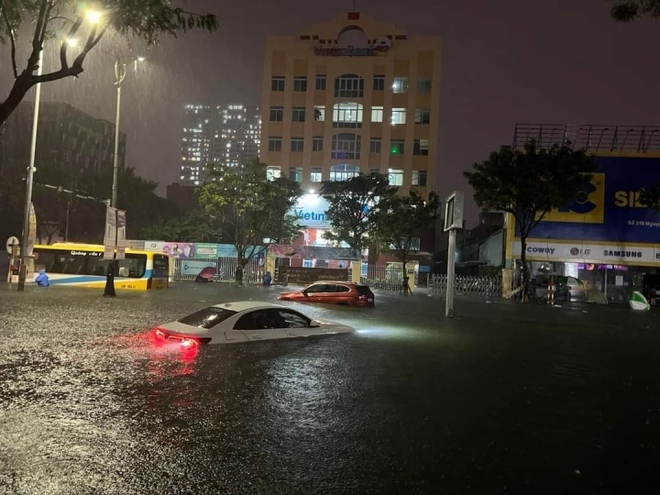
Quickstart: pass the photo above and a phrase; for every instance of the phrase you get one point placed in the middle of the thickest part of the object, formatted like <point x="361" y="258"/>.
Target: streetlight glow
<point x="72" y="41"/>
<point x="93" y="16"/>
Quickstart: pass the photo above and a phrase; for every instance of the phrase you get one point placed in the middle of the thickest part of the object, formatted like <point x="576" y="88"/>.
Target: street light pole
<point x="120" y="75"/>
<point x="22" y="274"/>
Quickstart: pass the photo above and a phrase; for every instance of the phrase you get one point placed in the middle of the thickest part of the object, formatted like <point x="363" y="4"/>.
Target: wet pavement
<point x="505" y="398"/>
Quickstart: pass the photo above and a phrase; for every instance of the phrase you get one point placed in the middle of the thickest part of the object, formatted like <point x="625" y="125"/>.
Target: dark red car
<point x="343" y="293"/>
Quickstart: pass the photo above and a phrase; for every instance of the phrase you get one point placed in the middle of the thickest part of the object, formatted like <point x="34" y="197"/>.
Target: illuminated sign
<point x="310" y="210"/>
<point x="380" y="47"/>
<point x="578" y="252"/>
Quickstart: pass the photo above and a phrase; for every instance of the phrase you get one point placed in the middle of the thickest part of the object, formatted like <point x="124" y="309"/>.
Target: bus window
<point x="133" y="266"/>
<point x="96" y="265"/>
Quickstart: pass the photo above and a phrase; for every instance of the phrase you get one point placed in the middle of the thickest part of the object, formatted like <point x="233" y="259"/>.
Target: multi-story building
<point x="352" y="96"/>
<point x="70" y="145"/>
<point x="226" y="135"/>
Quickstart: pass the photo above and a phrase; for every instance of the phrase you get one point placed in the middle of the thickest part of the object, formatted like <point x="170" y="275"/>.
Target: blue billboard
<point x="608" y="208"/>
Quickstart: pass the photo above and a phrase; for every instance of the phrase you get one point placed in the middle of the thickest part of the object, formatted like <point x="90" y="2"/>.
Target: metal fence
<point x="380" y="277"/>
<point x="468" y="285"/>
<point x="225" y="269"/>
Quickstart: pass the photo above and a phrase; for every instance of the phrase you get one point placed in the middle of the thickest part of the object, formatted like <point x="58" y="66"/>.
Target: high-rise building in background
<point x="225" y="135"/>
<point x="352" y="96"/>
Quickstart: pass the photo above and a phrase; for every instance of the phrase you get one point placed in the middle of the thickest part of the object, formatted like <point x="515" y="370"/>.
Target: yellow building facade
<point x="351" y="96"/>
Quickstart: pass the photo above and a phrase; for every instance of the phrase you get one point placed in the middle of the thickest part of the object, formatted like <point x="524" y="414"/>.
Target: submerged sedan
<point x="244" y="321"/>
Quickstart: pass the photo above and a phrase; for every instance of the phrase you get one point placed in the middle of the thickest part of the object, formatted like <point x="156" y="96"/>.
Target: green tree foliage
<point x="249" y="207"/>
<point x="197" y="226"/>
<point x="650" y="197"/>
<point x="353" y="207"/>
<point x="629" y="10"/>
<point x="401" y="219"/>
<point x="529" y="183"/>
<point x="62" y="20"/>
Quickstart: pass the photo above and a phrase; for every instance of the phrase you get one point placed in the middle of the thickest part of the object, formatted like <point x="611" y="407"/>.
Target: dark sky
<point x="505" y="61"/>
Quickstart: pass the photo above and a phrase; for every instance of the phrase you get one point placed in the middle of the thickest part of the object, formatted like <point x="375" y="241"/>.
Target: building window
<point x="297" y="144"/>
<point x="319" y="113"/>
<point x="397" y="147"/>
<point x="349" y="85"/>
<point x="376" y="114"/>
<point x="379" y="83"/>
<point x="400" y="85"/>
<point x="421" y="147"/>
<point x="424" y="85"/>
<point x="315" y="175"/>
<point x="298" y="114"/>
<point x="345" y="147"/>
<point x="295" y="174"/>
<point x="374" y="145"/>
<point x="320" y="82"/>
<point x="300" y="83"/>
<point x="348" y="114"/>
<point x="419" y="178"/>
<point x="274" y="143"/>
<point x="273" y="173"/>
<point x="374" y="171"/>
<point x="343" y="171"/>
<point x="277" y="83"/>
<point x="398" y="116"/>
<point x="276" y="114"/>
<point x="395" y="177"/>
<point x="317" y="143"/>
<point x="422" y="115"/>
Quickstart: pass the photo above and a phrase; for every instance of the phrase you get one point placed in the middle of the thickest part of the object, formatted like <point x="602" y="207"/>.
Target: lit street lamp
<point x="22" y="274"/>
<point x="93" y="17"/>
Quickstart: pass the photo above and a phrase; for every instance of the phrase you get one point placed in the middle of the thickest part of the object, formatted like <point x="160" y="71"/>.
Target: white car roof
<point x="245" y="305"/>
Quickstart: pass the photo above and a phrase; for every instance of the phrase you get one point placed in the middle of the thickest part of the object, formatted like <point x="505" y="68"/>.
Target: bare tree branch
<point x="12" y="38"/>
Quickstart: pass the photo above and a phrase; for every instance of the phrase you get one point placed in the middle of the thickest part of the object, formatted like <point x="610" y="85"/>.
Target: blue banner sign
<point x="608" y="208"/>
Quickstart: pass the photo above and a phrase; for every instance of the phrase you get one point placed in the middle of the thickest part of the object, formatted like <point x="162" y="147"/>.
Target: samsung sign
<point x="310" y="210"/>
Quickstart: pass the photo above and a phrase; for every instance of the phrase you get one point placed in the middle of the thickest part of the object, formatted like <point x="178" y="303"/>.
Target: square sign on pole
<point x="453" y="222"/>
<point x="454" y="211"/>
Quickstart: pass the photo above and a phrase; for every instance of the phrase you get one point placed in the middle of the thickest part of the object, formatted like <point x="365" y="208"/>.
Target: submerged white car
<point x="244" y="321"/>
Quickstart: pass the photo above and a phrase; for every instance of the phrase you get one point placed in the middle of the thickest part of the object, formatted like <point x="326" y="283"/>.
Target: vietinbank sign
<point x="581" y="252"/>
<point x="310" y="210"/>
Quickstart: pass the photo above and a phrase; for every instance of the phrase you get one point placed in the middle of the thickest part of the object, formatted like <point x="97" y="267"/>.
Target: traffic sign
<point x="13" y="240"/>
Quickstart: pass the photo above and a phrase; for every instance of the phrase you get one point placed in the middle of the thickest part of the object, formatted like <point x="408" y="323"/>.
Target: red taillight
<point x="159" y="333"/>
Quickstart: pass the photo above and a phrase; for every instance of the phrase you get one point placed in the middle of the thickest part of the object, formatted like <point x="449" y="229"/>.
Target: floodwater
<point x="505" y="398"/>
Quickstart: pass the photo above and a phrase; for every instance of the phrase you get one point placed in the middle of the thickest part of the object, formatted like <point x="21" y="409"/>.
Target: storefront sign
<point x="614" y="254"/>
<point x="608" y="208"/>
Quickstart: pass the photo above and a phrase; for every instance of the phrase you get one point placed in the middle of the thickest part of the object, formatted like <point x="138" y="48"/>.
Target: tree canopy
<point x="402" y="219"/>
<point x="64" y="20"/>
<point x="249" y="207"/>
<point x="353" y="207"/>
<point x="528" y="183"/>
<point x="629" y="10"/>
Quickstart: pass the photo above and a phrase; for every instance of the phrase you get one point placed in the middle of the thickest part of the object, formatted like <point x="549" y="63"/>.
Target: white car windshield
<point x="207" y="317"/>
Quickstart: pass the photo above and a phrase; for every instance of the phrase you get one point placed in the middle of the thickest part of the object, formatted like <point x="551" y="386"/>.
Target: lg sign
<point x="576" y="252"/>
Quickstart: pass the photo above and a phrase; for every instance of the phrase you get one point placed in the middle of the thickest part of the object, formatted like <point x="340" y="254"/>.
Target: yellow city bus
<point x="82" y="265"/>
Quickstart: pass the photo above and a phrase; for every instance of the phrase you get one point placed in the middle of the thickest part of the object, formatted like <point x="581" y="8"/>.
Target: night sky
<point x="509" y="61"/>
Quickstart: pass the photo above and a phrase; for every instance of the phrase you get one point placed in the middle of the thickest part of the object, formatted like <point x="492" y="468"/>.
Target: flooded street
<point x="503" y="399"/>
